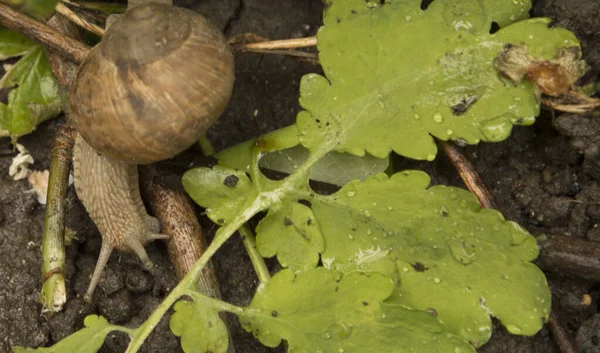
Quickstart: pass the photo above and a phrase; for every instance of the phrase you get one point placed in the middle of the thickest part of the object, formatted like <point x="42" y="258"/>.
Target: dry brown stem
<point x="70" y="48"/>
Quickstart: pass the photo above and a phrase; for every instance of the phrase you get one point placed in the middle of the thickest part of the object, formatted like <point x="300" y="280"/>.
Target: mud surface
<point x="546" y="177"/>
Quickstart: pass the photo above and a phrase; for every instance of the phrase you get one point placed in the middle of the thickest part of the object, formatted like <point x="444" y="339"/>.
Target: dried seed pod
<point x="159" y="79"/>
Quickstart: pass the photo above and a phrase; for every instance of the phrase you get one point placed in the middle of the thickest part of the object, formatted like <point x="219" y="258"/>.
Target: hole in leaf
<point x="419" y="267"/>
<point x="495" y="27"/>
<point x="425" y="4"/>
<point x="305" y="203"/>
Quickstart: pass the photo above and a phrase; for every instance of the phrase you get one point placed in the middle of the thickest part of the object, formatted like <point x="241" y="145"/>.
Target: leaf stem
<point x="188" y="283"/>
<point x="216" y="303"/>
<point x="257" y="260"/>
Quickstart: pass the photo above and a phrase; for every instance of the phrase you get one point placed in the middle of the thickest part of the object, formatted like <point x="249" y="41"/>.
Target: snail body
<point x="111" y="196"/>
<point x="158" y="80"/>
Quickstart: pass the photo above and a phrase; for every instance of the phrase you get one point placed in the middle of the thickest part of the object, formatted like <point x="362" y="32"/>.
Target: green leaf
<point x="13" y="44"/>
<point x="36" y="8"/>
<point x="34" y="96"/>
<point x="448" y="254"/>
<point x="291" y="232"/>
<point x="283" y="153"/>
<point x="397" y="75"/>
<point x="200" y="328"/>
<point x="86" y="340"/>
<point x="221" y="190"/>
<point x="320" y="311"/>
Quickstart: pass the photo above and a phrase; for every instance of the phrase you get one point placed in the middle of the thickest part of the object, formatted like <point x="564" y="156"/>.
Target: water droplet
<point x="444" y="211"/>
<point x="340" y="350"/>
<point x="517" y="99"/>
<point x="461" y="251"/>
<point x="408" y="18"/>
<point x="405" y="269"/>
<point x="515" y="2"/>
<point x="461" y="142"/>
<point x="438" y="118"/>
<point x="417" y="116"/>
<point x="436" y="280"/>
<point x="369" y="231"/>
<point x="495" y="129"/>
<point x="449" y="132"/>
<point x="367" y="213"/>
<point x="319" y="350"/>
<point x="390" y="208"/>
<point x="374" y="204"/>
<point x="350" y="236"/>
<point x="351" y="193"/>
<point x="327" y="335"/>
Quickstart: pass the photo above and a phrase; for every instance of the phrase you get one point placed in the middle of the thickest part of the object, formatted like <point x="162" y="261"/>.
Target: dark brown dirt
<point x="546" y="177"/>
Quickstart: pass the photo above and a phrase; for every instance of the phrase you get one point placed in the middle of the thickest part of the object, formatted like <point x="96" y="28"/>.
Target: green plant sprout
<point x="387" y="263"/>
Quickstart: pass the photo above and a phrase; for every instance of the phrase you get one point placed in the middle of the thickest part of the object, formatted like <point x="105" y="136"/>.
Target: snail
<point x="160" y="77"/>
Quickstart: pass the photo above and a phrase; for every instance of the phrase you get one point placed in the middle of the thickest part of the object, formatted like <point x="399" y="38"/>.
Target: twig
<point x="470" y="177"/>
<point x="570" y="256"/>
<point x="468" y="174"/>
<point x="251" y="42"/>
<point x="257" y="260"/>
<point x="561" y="334"/>
<point x="186" y="241"/>
<point x="53" y="295"/>
<point x="78" y="20"/>
<point x="70" y="48"/>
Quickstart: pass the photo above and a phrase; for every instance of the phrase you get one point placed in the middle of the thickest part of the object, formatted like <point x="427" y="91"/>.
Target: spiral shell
<point x="158" y="80"/>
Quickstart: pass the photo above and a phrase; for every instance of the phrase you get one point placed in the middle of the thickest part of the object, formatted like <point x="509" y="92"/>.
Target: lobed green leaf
<point x="200" y="328"/>
<point x="321" y="311"/>
<point x="33" y="95"/>
<point x="448" y="254"/>
<point x="13" y="44"/>
<point x="396" y="75"/>
<point x="86" y="340"/>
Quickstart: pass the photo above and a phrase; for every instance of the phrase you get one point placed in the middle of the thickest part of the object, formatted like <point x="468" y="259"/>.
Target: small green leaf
<point x="86" y="340"/>
<point x="13" y="44"/>
<point x="200" y="328"/>
<point x="221" y="190"/>
<point x="36" y="8"/>
<point x="387" y="90"/>
<point x="321" y="311"/>
<point x="283" y="153"/>
<point x="290" y="231"/>
<point x="448" y="254"/>
<point x="33" y="97"/>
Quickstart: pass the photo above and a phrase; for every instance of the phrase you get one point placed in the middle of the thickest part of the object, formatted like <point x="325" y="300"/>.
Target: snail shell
<point x="158" y="80"/>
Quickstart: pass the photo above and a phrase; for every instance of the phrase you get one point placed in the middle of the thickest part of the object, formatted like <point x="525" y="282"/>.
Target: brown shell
<point x="159" y="79"/>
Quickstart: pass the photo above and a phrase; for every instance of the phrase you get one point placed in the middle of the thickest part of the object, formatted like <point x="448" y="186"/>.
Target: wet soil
<point x="545" y="177"/>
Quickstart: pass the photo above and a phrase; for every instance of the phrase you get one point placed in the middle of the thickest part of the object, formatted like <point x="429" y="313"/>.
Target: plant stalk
<point x="260" y="267"/>
<point x="53" y="294"/>
<point x="68" y="47"/>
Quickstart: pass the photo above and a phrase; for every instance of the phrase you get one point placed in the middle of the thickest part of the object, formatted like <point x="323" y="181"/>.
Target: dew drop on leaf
<point x="438" y="118"/>
<point x="460" y="251"/>
<point x="351" y="193"/>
